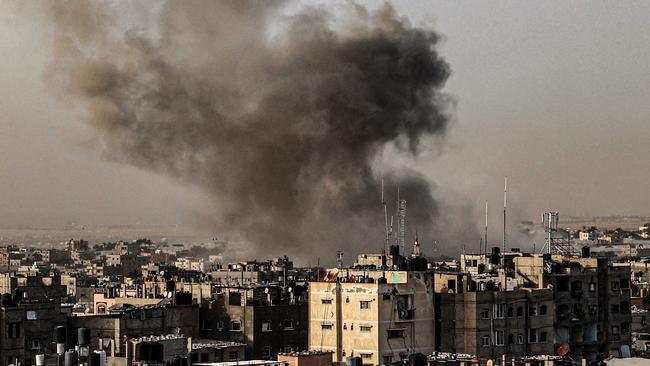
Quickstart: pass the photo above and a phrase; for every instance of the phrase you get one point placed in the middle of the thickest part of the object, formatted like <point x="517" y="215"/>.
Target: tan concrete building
<point x="381" y="319"/>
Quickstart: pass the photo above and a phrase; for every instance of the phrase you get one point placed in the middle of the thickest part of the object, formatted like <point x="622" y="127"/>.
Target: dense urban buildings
<point x="143" y="303"/>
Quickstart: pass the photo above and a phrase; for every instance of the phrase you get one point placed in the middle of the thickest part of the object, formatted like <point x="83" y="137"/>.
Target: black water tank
<point x="60" y="334"/>
<point x="83" y="336"/>
<point x="481" y="268"/>
<point x="546" y="256"/>
<point x="170" y="286"/>
<point x="382" y="280"/>
<point x="394" y="250"/>
<point x="6" y="300"/>
<point x="418" y="359"/>
<point x="586" y="252"/>
<point x="495" y="256"/>
<point x="71" y="358"/>
<point x="355" y="361"/>
<point x="94" y="359"/>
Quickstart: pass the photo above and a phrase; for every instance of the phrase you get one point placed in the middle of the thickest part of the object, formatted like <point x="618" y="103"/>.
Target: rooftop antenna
<point x="339" y="259"/>
<point x="387" y="229"/>
<point x="555" y="244"/>
<point x="416" y="246"/>
<point x="505" y="205"/>
<point x="483" y="249"/>
<point x="401" y="221"/>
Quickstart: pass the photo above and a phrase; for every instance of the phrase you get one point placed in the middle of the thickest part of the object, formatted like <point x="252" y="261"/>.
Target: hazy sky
<point x="552" y="94"/>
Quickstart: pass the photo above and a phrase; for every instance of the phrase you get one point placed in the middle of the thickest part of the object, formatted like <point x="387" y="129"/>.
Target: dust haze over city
<point x="270" y="126"/>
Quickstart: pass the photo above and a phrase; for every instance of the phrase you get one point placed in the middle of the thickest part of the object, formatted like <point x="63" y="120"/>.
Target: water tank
<point x="495" y="256"/>
<point x="60" y="334"/>
<point x="382" y="280"/>
<point x="481" y="268"/>
<point x="170" y="286"/>
<point x="83" y="336"/>
<point x="94" y="359"/>
<point x="586" y="252"/>
<point x="418" y="359"/>
<point x="40" y="360"/>
<point x="71" y="358"/>
<point x="394" y="250"/>
<point x="354" y="361"/>
<point x="6" y="300"/>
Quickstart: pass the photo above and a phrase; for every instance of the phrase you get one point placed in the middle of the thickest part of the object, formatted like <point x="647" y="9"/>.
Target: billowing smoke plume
<point x="281" y="120"/>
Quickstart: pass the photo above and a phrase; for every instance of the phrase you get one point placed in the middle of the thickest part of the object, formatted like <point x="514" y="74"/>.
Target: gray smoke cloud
<point x="281" y="120"/>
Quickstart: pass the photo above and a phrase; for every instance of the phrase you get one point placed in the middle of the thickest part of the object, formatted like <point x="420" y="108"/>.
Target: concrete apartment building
<point x="268" y="319"/>
<point x="29" y="311"/>
<point x="381" y="320"/>
<point x="491" y="324"/>
<point x="591" y="296"/>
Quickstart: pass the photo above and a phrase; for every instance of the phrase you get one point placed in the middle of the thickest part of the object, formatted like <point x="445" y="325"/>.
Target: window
<point x="625" y="307"/>
<point x="532" y="336"/>
<point x="35" y="344"/>
<point x="396" y="333"/>
<point x="615" y="330"/>
<point x="326" y="301"/>
<point x="234" y="299"/>
<point x="266" y="353"/>
<point x="520" y="311"/>
<point x="520" y="338"/>
<point x="499" y="311"/>
<point x="365" y="328"/>
<point x="364" y="304"/>
<point x="235" y="326"/>
<point x="485" y="341"/>
<point x="205" y="325"/>
<point x="366" y="355"/>
<point x="233" y="355"/>
<point x="511" y="312"/>
<point x="287" y="324"/>
<point x="266" y="326"/>
<point x="543" y="336"/>
<point x="485" y="314"/>
<point x="532" y="310"/>
<point x="615" y="285"/>
<point x="326" y="326"/>
<point x="13" y="330"/>
<point x="220" y="325"/>
<point x="511" y="338"/>
<point x="625" y="328"/>
<point x="204" y="357"/>
<point x="499" y="336"/>
<point x="543" y="310"/>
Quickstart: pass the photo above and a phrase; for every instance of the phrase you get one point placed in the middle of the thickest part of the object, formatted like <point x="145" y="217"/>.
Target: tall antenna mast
<point x="485" y="236"/>
<point x="505" y="205"/>
<point x="387" y="229"/>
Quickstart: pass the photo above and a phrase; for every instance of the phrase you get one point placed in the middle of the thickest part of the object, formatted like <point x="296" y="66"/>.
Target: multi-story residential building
<point x="493" y="324"/>
<point x="268" y="319"/>
<point x="380" y="319"/>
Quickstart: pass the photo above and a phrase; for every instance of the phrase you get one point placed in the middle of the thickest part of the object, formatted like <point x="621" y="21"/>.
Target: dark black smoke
<point x="282" y="121"/>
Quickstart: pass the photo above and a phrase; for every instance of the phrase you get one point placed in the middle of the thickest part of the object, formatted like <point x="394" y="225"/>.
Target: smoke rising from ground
<point x="281" y="121"/>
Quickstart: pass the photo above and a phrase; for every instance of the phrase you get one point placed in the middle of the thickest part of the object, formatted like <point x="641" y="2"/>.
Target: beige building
<point x="380" y="319"/>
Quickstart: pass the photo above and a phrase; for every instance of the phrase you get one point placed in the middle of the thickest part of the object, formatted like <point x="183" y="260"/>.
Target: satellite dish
<point x="266" y="290"/>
